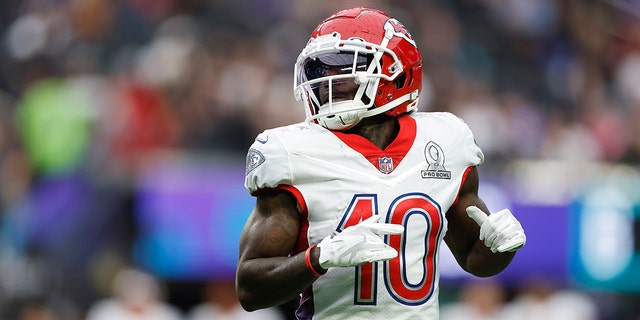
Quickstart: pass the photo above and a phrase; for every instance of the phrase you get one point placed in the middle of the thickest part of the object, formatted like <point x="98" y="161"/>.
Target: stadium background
<point x="123" y="128"/>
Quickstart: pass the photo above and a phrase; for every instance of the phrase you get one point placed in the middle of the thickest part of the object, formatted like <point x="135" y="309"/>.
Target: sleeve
<point x="267" y="163"/>
<point x="472" y="152"/>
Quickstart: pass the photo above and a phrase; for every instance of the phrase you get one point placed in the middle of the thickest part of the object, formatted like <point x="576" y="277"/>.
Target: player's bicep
<point x="272" y="228"/>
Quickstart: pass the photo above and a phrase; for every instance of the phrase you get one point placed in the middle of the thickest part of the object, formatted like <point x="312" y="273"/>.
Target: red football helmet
<point x="362" y="51"/>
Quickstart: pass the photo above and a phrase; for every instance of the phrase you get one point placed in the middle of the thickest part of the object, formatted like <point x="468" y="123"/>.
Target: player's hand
<point x="500" y="231"/>
<point x="358" y="244"/>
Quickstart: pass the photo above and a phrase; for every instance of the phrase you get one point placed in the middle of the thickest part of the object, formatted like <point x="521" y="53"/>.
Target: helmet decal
<point x="399" y="30"/>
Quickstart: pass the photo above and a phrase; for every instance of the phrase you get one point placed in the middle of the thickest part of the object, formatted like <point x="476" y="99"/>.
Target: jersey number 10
<point x="410" y="277"/>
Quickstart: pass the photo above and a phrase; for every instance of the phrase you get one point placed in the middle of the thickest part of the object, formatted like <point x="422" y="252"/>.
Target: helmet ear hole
<point x="400" y="81"/>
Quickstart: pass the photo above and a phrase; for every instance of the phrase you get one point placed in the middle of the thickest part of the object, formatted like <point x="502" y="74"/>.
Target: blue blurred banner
<point x="604" y="237"/>
<point x="190" y="215"/>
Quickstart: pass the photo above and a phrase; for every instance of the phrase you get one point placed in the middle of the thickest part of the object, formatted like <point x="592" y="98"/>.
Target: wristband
<point x="307" y="261"/>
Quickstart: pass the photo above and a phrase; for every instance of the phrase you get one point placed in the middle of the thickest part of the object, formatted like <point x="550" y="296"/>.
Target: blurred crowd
<point x="483" y="299"/>
<point x="93" y="90"/>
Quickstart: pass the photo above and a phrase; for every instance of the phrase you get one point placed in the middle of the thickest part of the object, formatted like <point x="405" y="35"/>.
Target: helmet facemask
<point x="338" y="79"/>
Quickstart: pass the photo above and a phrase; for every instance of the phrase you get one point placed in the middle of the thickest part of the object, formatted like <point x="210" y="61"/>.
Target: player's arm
<point x="266" y="276"/>
<point x="463" y="237"/>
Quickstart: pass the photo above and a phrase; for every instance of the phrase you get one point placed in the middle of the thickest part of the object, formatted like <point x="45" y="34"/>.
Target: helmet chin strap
<point x="343" y="116"/>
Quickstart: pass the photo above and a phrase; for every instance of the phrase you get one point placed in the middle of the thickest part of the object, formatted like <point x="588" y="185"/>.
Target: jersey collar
<point x="398" y="148"/>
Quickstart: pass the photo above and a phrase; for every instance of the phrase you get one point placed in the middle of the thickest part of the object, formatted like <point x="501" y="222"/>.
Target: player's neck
<point x="381" y="130"/>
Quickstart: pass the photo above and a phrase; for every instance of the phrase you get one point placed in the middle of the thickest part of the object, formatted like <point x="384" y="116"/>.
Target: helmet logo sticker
<point x="435" y="158"/>
<point x="399" y="30"/>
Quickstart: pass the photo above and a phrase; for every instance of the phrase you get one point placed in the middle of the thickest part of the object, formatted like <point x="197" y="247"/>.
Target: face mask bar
<point x="328" y="60"/>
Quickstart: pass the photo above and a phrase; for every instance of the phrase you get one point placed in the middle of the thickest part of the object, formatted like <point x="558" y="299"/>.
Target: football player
<point x="354" y="204"/>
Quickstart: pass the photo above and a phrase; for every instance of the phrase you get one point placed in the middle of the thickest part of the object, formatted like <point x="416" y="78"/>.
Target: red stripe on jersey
<point x="306" y="309"/>
<point x="398" y="148"/>
<point x="297" y="194"/>
<point x="302" y="243"/>
<point x="464" y="178"/>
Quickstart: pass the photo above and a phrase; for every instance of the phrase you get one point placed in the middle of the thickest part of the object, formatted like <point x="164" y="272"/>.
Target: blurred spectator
<point x="36" y="311"/>
<point x="568" y="141"/>
<point x="221" y="303"/>
<point x="40" y="309"/>
<point x="482" y="299"/>
<point x="54" y="123"/>
<point x="140" y="123"/>
<point x="540" y="299"/>
<point x="632" y="153"/>
<point x="136" y="296"/>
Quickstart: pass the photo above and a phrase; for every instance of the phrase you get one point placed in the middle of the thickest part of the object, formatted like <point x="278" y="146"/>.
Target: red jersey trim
<point x="302" y="242"/>
<point x="397" y="150"/>
<point x="464" y="178"/>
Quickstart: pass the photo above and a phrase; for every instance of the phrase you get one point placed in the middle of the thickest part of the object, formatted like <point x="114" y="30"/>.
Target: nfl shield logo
<point x="385" y="164"/>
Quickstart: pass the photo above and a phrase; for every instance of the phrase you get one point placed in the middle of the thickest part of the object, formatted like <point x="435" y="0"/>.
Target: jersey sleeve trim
<point x="464" y="178"/>
<point x="302" y="242"/>
<point x="297" y="194"/>
<point x="291" y="189"/>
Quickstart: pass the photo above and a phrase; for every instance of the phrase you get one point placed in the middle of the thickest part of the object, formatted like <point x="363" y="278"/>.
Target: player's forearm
<point x="482" y="262"/>
<point x="267" y="282"/>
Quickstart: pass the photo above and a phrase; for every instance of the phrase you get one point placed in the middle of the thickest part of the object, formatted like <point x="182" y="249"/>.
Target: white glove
<point x="501" y="231"/>
<point x="358" y="244"/>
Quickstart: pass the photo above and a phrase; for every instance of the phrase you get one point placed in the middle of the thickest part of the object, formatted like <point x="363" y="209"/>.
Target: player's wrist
<point x="311" y="259"/>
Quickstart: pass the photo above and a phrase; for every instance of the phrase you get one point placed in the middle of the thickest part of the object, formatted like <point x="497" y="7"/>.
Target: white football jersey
<point x="341" y="179"/>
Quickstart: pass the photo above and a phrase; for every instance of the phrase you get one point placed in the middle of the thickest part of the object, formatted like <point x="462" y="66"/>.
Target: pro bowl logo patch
<point x="435" y="158"/>
<point x="385" y="164"/>
<point x="254" y="160"/>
